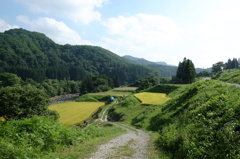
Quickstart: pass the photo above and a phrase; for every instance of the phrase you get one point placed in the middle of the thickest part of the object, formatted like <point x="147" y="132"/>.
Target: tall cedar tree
<point x="186" y="73"/>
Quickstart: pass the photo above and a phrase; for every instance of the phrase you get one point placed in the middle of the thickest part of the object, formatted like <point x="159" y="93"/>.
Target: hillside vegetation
<point x="164" y="70"/>
<point x="230" y="76"/>
<point x="42" y="137"/>
<point x="200" y="121"/>
<point x="33" y="55"/>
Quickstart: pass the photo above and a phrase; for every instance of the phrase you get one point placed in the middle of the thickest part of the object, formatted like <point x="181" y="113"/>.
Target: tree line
<point x="230" y="64"/>
<point x="33" y="55"/>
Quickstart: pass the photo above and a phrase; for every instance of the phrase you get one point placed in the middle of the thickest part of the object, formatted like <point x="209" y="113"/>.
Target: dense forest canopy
<point x="230" y="64"/>
<point x="33" y="55"/>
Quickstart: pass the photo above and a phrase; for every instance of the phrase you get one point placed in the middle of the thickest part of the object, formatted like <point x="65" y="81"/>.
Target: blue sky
<point x="205" y="31"/>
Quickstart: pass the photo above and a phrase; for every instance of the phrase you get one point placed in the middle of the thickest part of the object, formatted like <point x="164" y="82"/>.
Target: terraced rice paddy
<point x="148" y="98"/>
<point x="72" y="113"/>
<point x="125" y="89"/>
<point x="2" y="119"/>
<point x="112" y="93"/>
<point x="121" y="91"/>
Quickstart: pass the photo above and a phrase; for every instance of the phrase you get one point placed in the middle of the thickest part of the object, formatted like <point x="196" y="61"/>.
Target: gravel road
<point x="135" y="143"/>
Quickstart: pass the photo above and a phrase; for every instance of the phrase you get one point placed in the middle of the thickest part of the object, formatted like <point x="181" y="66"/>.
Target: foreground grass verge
<point x="45" y="138"/>
<point x="72" y="113"/>
<point x="153" y="152"/>
<point x="85" y="149"/>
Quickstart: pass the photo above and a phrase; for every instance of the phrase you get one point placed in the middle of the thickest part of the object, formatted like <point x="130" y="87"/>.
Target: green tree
<point x="96" y="84"/>
<point x="185" y="73"/>
<point x="146" y="83"/>
<point x="116" y="81"/>
<point x="9" y="79"/>
<point x="204" y="74"/>
<point x="217" y="67"/>
<point x="22" y="102"/>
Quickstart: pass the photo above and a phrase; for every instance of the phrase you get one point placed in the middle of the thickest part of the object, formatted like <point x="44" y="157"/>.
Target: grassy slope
<point x="41" y="137"/>
<point x="121" y="91"/>
<point x="84" y="149"/>
<point x="200" y="121"/>
<point x="129" y="111"/>
<point x="230" y="76"/>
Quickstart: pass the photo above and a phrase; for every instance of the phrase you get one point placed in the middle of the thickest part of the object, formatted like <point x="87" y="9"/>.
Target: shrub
<point x="120" y="110"/>
<point x="22" y="102"/>
<point x="202" y="122"/>
<point x="29" y="137"/>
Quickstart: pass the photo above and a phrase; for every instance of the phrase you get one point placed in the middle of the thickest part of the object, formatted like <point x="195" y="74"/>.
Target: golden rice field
<point x="72" y="113"/>
<point x="148" y="98"/>
<point x="2" y="119"/>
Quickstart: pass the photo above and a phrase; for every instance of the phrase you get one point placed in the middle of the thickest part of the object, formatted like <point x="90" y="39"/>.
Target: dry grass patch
<point x="126" y="89"/>
<point x="72" y="113"/>
<point x="112" y="93"/>
<point x="152" y="98"/>
<point x="2" y="119"/>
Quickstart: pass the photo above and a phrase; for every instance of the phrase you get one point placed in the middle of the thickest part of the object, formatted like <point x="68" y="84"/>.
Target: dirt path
<point x="131" y="145"/>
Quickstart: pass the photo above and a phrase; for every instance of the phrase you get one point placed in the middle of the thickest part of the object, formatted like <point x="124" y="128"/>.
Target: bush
<point x="42" y="137"/>
<point x="120" y="111"/>
<point x="22" y="102"/>
<point x="202" y="122"/>
<point x="93" y="98"/>
<point x="163" y="88"/>
<point x="29" y="137"/>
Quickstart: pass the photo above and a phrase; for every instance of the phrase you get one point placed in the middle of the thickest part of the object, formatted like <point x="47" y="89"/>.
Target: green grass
<point x="83" y="150"/>
<point x="154" y="152"/>
<point x="163" y="88"/>
<point x="148" y="98"/>
<point x="121" y="91"/>
<point x="43" y="137"/>
<point x="130" y="111"/>
<point x="201" y="122"/>
<point x="72" y="113"/>
<point x="230" y="76"/>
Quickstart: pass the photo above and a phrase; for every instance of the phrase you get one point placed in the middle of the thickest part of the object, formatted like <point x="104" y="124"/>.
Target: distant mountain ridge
<point x="163" y="68"/>
<point x="144" y="61"/>
<point x="34" y="55"/>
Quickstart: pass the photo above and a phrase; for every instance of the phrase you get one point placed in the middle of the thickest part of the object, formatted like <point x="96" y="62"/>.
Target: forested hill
<point x="164" y="70"/>
<point x="33" y="55"/>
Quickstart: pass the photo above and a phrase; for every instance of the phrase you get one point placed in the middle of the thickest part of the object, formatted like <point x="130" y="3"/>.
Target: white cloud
<point x="216" y="37"/>
<point x="82" y="11"/>
<point x="217" y="24"/>
<point x="57" y="31"/>
<point x="142" y="35"/>
<point x="5" y="26"/>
